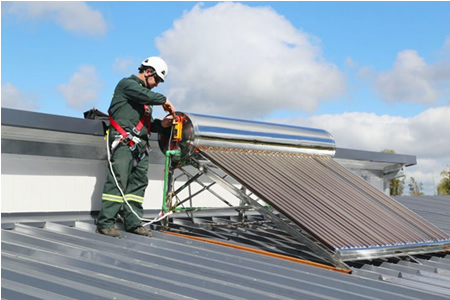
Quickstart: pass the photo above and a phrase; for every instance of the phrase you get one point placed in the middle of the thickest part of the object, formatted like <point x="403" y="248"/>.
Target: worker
<point x="131" y="119"/>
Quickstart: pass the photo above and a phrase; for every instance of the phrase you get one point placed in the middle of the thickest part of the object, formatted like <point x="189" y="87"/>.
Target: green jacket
<point x="127" y="105"/>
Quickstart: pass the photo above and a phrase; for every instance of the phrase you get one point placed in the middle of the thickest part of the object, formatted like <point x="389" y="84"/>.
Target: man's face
<point x="153" y="80"/>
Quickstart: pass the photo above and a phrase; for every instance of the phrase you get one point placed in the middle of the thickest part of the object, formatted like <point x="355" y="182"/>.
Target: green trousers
<point x="133" y="182"/>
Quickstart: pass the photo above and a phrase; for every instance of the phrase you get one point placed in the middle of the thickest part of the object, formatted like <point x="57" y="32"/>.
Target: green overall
<point x="127" y="108"/>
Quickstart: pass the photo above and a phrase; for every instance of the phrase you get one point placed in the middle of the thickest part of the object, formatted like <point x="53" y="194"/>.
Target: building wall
<point x="37" y="183"/>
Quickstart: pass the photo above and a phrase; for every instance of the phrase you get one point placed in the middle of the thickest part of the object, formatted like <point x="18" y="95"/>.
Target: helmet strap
<point x="146" y="81"/>
<point x="147" y="76"/>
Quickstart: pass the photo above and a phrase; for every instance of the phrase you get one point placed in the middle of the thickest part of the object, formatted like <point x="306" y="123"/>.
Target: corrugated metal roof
<point x="430" y="274"/>
<point x="435" y="209"/>
<point x="426" y="272"/>
<point x="67" y="260"/>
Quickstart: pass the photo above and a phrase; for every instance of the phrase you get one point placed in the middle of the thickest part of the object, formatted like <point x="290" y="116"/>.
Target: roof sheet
<point x="67" y="260"/>
<point x="435" y="209"/>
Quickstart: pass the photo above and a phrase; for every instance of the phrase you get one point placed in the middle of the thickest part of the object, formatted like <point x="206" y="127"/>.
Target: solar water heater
<point x="288" y="174"/>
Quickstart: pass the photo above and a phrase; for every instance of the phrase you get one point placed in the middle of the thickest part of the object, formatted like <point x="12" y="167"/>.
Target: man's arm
<point x="143" y="95"/>
<point x="137" y="93"/>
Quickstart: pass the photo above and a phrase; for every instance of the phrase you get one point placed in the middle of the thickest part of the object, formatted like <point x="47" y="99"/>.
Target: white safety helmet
<point x="158" y="64"/>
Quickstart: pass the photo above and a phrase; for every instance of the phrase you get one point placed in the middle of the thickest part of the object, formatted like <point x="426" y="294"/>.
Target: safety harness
<point x="132" y="138"/>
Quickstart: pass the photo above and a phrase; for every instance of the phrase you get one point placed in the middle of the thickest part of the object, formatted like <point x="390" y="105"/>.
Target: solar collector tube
<point x="331" y="218"/>
<point x="306" y="189"/>
<point x="273" y="192"/>
<point x="287" y="189"/>
<point x="366" y="209"/>
<point x="322" y="192"/>
<point x="395" y="207"/>
<point x="260" y="188"/>
<point x="311" y="197"/>
<point x="394" y="228"/>
<point x="338" y="196"/>
<point x="390" y="238"/>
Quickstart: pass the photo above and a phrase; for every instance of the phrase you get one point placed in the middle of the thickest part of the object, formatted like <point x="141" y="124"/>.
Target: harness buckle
<point x="126" y="140"/>
<point x="135" y="131"/>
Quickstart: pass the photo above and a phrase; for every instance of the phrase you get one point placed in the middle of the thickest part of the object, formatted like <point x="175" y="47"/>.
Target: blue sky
<point x="376" y="75"/>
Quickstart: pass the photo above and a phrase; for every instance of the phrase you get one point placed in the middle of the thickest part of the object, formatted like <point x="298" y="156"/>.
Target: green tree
<point x="396" y="185"/>
<point x="443" y="187"/>
<point x="415" y="188"/>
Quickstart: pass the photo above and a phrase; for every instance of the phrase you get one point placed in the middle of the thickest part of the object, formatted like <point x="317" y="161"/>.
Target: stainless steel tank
<point x="210" y="131"/>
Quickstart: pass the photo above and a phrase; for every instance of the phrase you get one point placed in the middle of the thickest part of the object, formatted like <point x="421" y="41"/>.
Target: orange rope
<point x="298" y="260"/>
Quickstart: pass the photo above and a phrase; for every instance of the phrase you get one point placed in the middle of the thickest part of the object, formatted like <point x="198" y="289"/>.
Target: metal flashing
<point x="28" y="119"/>
<point x="371" y="156"/>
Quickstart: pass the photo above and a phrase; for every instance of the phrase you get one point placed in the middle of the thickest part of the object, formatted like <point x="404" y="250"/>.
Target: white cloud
<point x="12" y="97"/>
<point x="349" y="62"/>
<point x="232" y="59"/>
<point x="82" y="89"/>
<point x="413" y="80"/>
<point x="72" y="15"/>
<point x="124" y="64"/>
<point x="447" y="45"/>
<point x="424" y="135"/>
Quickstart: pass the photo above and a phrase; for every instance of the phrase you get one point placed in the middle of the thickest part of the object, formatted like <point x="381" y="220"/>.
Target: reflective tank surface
<point x="210" y="131"/>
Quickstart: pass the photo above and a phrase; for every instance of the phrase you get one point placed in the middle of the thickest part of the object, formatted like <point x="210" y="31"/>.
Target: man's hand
<point x="167" y="121"/>
<point x="168" y="106"/>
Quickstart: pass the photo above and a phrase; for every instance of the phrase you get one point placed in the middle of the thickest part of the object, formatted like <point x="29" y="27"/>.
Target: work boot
<point x="142" y="231"/>
<point x="109" y="231"/>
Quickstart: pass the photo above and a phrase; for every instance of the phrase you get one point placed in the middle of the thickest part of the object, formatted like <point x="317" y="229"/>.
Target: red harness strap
<point x="137" y="129"/>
